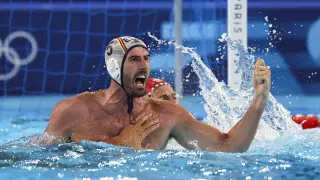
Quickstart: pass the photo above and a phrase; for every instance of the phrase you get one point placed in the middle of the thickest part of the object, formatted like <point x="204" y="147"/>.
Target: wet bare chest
<point x="99" y="126"/>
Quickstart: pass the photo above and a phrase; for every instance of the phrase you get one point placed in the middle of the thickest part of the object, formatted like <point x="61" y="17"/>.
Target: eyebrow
<point x="133" y="56"/>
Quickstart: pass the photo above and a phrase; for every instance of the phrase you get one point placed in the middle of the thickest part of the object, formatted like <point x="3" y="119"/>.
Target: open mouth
<point x="140" y="80"/>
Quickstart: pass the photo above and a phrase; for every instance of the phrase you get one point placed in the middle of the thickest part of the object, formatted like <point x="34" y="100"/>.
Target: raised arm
<point x="239" y="138"/>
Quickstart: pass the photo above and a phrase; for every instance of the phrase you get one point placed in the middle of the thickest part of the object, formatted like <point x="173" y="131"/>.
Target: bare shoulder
<point x="172" y="111"/>
<point x="67" y="111"/>
<point x="167" y="107"/>
<point x="76" y="104"/>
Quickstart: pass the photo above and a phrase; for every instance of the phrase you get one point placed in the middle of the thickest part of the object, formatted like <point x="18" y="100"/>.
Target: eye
<point x="165" y="97"/>
<point x="133" y="59"/>
<point x="174" y="96"/>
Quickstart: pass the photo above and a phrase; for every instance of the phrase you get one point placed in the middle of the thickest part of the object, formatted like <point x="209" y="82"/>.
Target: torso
<point x="102" y="124"/>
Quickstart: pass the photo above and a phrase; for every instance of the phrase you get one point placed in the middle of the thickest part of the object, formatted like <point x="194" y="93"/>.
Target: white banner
<point x="237" y="31"/>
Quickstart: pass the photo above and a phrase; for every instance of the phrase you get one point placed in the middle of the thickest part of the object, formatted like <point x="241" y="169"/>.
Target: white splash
<point x="225" y="106"/>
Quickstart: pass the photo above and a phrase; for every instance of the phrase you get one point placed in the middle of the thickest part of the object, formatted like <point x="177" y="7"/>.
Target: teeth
<point x="142" y="76"/>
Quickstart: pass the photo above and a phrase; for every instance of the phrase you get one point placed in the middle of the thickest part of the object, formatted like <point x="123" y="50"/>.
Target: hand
<point x="261" y="78"/>
<point x="133" y="134"/>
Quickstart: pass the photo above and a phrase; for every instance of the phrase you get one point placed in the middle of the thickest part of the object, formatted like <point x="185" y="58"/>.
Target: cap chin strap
<point x="130" y="107"/>
<point x="130" y="103"/>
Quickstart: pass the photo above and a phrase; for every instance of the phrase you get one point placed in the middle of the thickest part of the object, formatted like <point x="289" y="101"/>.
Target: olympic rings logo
<point x="13" y="57"/>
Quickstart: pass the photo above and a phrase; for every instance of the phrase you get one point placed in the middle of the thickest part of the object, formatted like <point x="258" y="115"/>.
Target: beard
<point x="138" y="94"/>
<point x="131" y="88"/>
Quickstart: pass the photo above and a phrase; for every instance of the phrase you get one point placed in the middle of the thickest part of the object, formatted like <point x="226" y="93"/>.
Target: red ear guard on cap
<point x="154" y="83"/>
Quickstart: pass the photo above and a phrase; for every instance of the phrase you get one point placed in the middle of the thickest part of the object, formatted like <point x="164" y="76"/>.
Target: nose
<point x="144" y="65"/>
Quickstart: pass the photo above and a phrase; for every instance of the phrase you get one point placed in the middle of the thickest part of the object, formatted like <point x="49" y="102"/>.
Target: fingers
<point x="139" y="117"/>
<point x="260" y="62"/>
<point x="151" y="122"/>
<point x="144" y="119"/>
<point x="150" y="130"/>
<point x="263" y="77"/>
<point x="261" y="70"/>
<point x="261" y="73"/>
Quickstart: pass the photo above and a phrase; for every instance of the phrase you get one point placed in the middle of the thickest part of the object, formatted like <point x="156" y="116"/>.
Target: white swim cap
<point x="116" y="53"/>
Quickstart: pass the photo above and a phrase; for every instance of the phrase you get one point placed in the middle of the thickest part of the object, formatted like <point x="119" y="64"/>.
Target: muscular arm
<point x="62" y="120"/>
<point x="238" y="139"/>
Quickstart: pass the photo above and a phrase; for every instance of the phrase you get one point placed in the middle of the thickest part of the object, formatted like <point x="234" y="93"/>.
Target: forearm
<point x="242" y="134"/>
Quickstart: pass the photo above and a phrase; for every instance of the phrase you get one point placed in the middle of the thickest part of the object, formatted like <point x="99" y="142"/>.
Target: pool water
<point x="294" y="155"/>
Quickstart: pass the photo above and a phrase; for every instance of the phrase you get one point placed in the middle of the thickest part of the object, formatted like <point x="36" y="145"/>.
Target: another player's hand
<point x="133" y="134"/>
<point x="261" y="78"/>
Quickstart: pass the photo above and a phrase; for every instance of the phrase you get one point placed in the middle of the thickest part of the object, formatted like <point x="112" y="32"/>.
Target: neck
<point x="115" y="94"/>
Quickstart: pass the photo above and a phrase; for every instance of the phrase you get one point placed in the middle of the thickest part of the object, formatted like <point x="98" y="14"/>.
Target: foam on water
<point x="225" y="106"/>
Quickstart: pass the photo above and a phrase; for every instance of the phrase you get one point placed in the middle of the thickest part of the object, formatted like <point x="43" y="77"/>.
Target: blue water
<point x="294" y="155"/>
